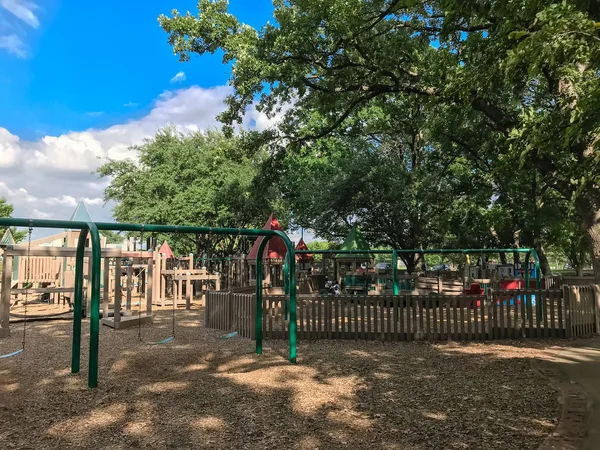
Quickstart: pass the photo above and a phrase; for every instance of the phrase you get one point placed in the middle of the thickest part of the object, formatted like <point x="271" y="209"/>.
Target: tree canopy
<point x="501" y="94"/>
<point x="197" y="179"/>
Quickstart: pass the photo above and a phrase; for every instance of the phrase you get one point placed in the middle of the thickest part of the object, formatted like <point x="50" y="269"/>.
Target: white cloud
<point x="37" y="214"/>
<point x="45" y="178"/>
<point x="63" y="200"/>
<point x="13" y="44"/>
<point x="9" y="145"/>
<point x="48" y="176"/>
<point x="12" y="13"/>
<point x="23" y="10"/>
<point x="93" y="201"/>
<point x="178" y="78"/>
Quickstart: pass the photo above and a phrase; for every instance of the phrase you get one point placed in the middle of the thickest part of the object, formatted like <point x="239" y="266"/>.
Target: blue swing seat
<point x="164" y="341"/>
<point x="8" y="355"/>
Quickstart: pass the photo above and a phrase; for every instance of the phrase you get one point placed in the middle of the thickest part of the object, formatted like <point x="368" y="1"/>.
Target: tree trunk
<point x="590" y="215"/>
<point x="409" y="262"/>
<point x="593" y="233"/>
<point x="503" y="258"/>
<point x="544" y="264"/>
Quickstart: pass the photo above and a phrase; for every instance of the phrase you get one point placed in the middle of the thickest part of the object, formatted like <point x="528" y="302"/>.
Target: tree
<point x="6" y="210"/>
<point x="112" y="238"/>
<point x="200" y="179"/>
<point x="524" y="73"/>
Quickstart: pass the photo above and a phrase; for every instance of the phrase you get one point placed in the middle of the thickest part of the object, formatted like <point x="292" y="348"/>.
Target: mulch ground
<point x="201" y="391"/>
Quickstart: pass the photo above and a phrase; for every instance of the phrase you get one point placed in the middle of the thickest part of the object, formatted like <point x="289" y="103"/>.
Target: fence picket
<point x="448" y="321"/>
<point x="381" y="316"/>
<point x="355" y="305"/>
<point x="401" y="303"/>
<point x="469" y="310"/>
<point x="461" y="305"/>
<point x="509" y="313"/>
<point x="389" y="302"/>
<point x="503" y="299"/>
<point x="415" y="325"/>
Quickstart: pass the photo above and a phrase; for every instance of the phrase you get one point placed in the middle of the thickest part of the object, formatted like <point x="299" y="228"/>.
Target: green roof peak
<point x="355" y="241"/>
<point x="7" y="238"/>
<point x="81" y="214"/>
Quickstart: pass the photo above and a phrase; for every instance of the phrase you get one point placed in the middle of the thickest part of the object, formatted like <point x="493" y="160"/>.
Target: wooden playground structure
<point x="132" y="281"/>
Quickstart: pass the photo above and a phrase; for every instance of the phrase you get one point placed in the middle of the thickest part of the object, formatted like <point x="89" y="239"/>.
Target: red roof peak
<point x="165" y="250"/>
<point x="275" y="248"/>
<point x="304" y="256"/>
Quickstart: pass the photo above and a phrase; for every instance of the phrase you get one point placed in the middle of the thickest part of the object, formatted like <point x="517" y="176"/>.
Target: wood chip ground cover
<point x="200" y="391"/>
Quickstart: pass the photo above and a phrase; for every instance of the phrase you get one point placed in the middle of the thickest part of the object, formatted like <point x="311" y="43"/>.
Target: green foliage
<point x="507" y="98"/>
<point x="6" y="210"/>
<point x="111" y="238"/>
<point x="197" y="179"/>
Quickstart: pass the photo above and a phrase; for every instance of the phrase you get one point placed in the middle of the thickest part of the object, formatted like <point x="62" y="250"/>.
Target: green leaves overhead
<point x="509" y="90"/>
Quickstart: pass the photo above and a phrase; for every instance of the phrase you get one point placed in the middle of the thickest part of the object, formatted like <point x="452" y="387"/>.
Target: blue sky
<point x="87" y="64"/>
<point x="81" y="81"/>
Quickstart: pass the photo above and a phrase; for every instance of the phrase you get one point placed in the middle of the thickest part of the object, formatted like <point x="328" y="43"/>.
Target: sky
<point x="82" y="81"/>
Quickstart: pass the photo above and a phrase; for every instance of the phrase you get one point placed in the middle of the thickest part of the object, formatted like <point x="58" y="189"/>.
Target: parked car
<point x="440" y="268"/>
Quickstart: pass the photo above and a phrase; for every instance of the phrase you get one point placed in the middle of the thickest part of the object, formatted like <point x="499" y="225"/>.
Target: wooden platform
<point x="126" y="321"/>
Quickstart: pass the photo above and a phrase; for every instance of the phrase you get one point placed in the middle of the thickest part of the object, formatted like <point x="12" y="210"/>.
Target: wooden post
<point x="156" y="277"/>
<point x="129" y="286"/>
<point x="567" y="303"/>
<point x="106" y="287"/>
<point x="162" y="264"/>
<point x="5" y="296"/>
<point x="188" y="293"/>
<point x="149" y="287"/>
<point x="117" y="310"/>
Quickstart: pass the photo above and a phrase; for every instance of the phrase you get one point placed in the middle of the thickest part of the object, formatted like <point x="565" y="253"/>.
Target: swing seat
<point x="164" y="341"/>
<point x="8" y="355"/>
<point x="230" y="335"/>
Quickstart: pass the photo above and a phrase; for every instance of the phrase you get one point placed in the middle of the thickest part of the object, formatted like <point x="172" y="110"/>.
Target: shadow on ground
<point x="200" y="391"/>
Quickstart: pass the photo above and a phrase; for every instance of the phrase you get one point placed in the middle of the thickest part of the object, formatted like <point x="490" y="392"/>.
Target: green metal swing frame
<point x="92" y="228"/>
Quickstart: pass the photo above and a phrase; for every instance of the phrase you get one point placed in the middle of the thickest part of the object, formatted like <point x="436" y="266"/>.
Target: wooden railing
<point x="535" y="313"/>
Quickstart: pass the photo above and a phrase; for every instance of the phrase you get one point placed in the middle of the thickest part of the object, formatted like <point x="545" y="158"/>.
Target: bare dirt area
<point x="201" y="391"/>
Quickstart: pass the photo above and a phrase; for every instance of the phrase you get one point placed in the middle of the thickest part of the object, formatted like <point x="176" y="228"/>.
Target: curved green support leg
<point x="95" y="307"/>
<point x="259" y="291"/>
<point x="78" y="302"/>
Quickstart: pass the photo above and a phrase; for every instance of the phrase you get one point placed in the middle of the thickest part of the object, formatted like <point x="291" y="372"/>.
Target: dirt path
<point x="203" y="392"/>
<point x="576" y="371"/>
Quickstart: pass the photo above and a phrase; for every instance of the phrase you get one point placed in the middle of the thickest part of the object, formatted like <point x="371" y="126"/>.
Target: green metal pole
<point x="259" y="290"/>
<point x="395" y="271"/>
<point x="78" y="303"/>
<point x="292" y="286"/>
<point x="95" y="307"/>
<point x="286" y="285"/>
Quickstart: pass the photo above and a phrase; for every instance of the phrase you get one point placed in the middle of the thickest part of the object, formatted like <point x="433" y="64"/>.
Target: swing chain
<point x="140" y="286"/>
<point x="27" y="278"/>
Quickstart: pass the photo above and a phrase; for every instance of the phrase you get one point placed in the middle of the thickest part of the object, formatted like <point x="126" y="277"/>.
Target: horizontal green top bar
<point x="183" y="229"/>
<point x="418" y="250"/>
<point x="42" y="223"/>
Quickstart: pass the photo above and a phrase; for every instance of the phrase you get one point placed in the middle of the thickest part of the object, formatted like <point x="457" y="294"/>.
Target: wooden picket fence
<point x="538" y="313"/>
<point x="229" y="311"/>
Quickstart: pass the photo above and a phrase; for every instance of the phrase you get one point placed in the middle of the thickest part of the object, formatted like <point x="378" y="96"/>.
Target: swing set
<point x="92" y="228"/>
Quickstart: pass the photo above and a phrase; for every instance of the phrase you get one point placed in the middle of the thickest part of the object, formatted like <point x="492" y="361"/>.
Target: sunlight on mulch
<point x="200" y="391"/>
